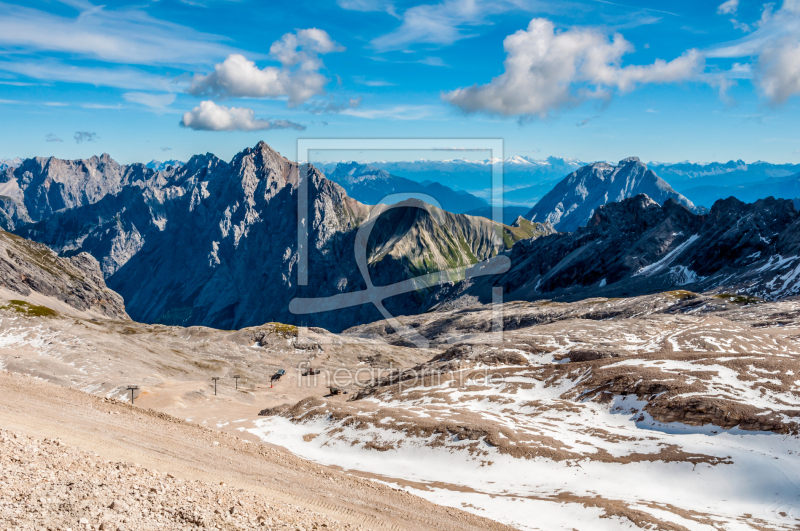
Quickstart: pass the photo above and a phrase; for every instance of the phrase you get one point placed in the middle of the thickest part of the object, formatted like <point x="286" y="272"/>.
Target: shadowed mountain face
<point x="215" y="243"/>
<point x="573" y="200"/>
<point x="371" y="186"/>
<point x="637" y="246"/>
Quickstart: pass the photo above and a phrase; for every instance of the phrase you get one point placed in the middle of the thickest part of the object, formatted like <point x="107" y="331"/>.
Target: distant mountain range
<point x="9" y="163"/>
<point x="783" y="187"/>
<point x="371" y="186"/>
<point x="525" y="179"/>
<point x="684" y="175"/>
<point x="214" y="243"/>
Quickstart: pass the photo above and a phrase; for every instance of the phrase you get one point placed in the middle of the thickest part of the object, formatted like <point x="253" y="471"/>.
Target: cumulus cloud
<point x="728" y="8"/>
<point x="208" y="116"/>
<point x="546" y="70"/>
<point x="298" y="78"/>
<point x="166" y="149"/>
<point x="52" y="138"/>
<point x="779" y="71"/>
<point x="85" y="136"/>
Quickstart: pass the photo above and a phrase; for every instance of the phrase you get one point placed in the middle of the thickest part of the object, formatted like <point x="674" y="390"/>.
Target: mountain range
<point x="525" y="179"/>
<point x="636" y="246"/>
<point x="684" y="175"/>
<point x="215" y="243"/>
<point x="372" y="185"/>
<point x="783" y="187"/>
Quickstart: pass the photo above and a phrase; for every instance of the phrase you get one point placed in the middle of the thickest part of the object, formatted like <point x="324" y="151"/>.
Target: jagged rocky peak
<point x="573" y="201"/>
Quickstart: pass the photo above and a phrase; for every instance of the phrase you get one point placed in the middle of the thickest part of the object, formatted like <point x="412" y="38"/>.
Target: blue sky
<point x="596" y="80"/>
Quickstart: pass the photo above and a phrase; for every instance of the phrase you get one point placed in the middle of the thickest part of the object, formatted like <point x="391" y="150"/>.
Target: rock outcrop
<point x="27" y="267"/>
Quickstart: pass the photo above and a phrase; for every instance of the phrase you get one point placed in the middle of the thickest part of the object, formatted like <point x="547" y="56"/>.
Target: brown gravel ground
<point x="71" y="460"/>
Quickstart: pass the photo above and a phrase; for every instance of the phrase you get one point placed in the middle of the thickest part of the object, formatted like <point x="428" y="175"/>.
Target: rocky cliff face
<point x="27" y="267"/>
<point x="215" y="243"/>
<point x="36" y="188"/>
<point x="572" y="201"/>
<point x="637" y="246"/>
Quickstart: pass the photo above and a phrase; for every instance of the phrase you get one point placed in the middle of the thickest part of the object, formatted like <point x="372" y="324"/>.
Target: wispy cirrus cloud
<point x="333" y="106"/>
<point x="449" y="21"/>
<point x="127" y="36"/>
<point x="395" y="112"/>
<point x="369" y="5"/>
<point x="52" y="138"/>
<point x="208" y="116"/>
<point x="157" y="102"/>
<point x="117" y="77"/>
<point x="773" y="48"/>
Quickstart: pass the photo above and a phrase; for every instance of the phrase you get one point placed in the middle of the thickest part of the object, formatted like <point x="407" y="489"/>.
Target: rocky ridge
<point x="637" y="246"/>
<point x="242" y="218"/>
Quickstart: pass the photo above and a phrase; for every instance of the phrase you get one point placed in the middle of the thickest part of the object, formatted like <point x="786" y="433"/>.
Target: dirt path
<point x="118" y="431"/>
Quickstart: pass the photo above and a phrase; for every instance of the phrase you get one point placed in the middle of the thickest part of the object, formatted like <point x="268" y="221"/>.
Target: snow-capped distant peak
<point x="161" y="166"/>
<point x="10" y="163"/>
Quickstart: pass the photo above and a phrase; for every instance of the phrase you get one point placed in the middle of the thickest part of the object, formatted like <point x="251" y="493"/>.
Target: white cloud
<point x="397" y="112"/>
<point x="155" y="101"/>
<point x="373" y="82"/>
<point x="728" y="8"/>
<point x="775" y="51"/>
<point x="779" y="71"/>
<point x="208" y="116"/>
<point x="451" y="20"/>
<point x="101" y="106"/>
<point x="433" y="24"/>
<point x="298" y="77"/>
<point x="129" y="36"/>
<point x="122" y="77"/>
<point x="333" y="106"/>
<point x="367" y="6"/>
<point x="50" y="137"/>
<point x="546" y="70"/>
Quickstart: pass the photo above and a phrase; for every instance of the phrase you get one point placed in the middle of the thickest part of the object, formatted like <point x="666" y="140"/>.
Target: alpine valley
<point x="631" y="363"/>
